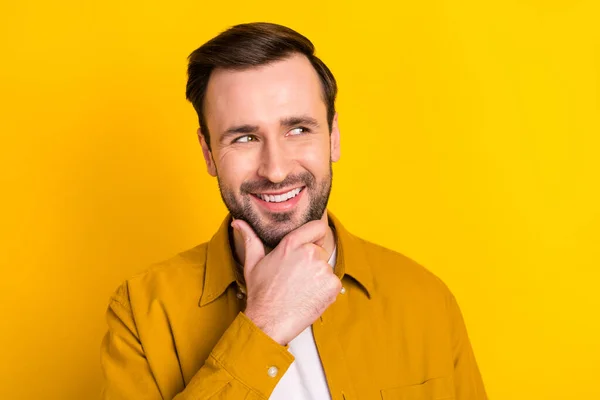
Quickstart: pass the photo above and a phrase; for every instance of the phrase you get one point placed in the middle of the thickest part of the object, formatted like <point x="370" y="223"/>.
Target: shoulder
<point x="181" y="275"/>
<point x="396" y="273"/>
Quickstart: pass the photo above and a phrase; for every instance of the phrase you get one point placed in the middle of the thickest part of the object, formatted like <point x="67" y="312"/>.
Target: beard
<point x="276" y="226"/>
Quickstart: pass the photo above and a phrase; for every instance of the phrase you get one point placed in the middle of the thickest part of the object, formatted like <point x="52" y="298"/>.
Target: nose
<point x="275" y="163"/>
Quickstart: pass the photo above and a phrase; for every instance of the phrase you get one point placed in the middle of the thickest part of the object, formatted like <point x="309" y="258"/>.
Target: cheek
<point x="235" y="167"/>
<point x="315" y="159"/>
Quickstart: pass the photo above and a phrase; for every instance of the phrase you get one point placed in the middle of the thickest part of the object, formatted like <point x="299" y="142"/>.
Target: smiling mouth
<point x="279" y="198"/>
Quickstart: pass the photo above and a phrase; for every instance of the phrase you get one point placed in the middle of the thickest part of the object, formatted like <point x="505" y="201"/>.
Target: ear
<point x="335" y="139"/>
<point x="210" y="163"/>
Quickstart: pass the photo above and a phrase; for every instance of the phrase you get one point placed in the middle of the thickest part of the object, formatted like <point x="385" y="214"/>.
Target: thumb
<point x="253" y="248"/>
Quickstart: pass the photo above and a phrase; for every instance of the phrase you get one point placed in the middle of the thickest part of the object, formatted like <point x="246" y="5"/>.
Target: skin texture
<point x="269" y="134"/>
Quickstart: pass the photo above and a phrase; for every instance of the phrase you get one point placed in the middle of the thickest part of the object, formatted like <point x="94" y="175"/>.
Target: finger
<point x="311" y="232"/>
<point x="324" y="216"/>
<point x="320" y="252"/>
<point x="321" y="241"/>
<point x="253" y="247"/>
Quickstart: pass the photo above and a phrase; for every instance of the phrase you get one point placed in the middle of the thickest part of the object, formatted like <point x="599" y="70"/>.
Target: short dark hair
<point x="251" y="45"/>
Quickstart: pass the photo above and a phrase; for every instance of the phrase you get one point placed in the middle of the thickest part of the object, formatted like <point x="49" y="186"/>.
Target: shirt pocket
<point x="431" y="389"/>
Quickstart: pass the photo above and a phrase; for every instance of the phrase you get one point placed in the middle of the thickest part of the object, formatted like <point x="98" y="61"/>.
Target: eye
<point x="298" y="131"/>
<point x="245" y="139"/>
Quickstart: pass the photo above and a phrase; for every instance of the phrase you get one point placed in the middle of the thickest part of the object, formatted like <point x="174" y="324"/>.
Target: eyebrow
<point x="286" y="122"/>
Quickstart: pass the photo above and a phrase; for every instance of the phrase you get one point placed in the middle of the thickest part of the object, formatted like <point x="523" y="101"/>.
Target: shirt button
<point x="240" y="295"/>
<point x="272" y="372"/>
<point x="343" y="290"/>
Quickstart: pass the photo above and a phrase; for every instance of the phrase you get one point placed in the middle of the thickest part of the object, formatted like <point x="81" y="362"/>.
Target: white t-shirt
<point x="305" y="378"/>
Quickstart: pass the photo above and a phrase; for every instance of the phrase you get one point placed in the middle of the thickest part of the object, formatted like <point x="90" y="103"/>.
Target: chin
<point x="271" y="232"/>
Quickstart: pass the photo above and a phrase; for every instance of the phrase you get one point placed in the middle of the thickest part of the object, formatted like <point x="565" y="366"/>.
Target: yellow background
<point x="470" y="142"/>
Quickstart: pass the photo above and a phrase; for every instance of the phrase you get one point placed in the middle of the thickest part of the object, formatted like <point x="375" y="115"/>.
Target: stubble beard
<point x="276" y="226"/>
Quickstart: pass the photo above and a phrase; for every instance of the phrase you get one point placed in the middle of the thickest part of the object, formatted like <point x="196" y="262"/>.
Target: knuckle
<point x="311" y="252"/>
<point x="335" y="285"/>
<point x="291" y="241"/>
<point x="287" y="243"/>
<point x="332" y="298"/>
<point x="322" y="228"/>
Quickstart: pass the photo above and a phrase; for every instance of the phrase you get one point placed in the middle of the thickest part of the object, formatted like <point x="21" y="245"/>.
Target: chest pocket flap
<point x="431" y="389"/>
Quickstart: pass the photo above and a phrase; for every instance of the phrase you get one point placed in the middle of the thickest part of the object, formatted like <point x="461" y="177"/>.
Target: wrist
<point x="265" y="325"/>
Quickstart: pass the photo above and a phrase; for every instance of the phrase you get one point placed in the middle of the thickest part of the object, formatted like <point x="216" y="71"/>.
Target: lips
<point x="280" y="197"/>
<point x="281" y="202"/>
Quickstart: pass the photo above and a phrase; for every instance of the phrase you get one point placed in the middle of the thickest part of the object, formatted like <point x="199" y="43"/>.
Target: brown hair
<point x="250" y="45"/>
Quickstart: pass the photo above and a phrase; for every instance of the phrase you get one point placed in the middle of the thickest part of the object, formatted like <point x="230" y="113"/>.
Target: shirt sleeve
<point x="235" y="369"/>
<point x="467" y="378"/>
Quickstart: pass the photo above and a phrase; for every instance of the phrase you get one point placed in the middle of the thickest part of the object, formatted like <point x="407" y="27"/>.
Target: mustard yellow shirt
<point x="178" y="331"/>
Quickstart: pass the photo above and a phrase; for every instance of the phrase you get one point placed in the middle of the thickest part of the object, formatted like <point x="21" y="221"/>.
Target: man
<point x="283" y="302"/>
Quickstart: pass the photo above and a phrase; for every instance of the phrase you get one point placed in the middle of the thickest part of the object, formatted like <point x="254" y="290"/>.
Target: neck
<point x="239" y="249"/>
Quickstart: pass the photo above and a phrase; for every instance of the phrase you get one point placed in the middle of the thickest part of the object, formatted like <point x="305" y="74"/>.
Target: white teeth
<point x="280" y="197"/>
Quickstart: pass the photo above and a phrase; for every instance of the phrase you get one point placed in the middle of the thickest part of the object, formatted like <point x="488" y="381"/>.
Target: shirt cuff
<point x="252" y="356"/>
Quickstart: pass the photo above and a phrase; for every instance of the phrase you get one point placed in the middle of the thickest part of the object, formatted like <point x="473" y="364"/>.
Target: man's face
<point x="271" y="145"/>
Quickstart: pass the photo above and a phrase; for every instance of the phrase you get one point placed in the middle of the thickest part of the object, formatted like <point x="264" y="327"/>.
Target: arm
<point x="467" y="379"/>
<point x="235" y="369"/>
<point x="238" y="364"/>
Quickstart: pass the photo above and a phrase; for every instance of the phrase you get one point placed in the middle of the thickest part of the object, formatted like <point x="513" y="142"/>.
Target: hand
<point x="293" y="285"/>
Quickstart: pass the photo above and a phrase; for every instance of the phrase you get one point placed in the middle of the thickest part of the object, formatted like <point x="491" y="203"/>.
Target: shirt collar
<point x="220" y="264"/>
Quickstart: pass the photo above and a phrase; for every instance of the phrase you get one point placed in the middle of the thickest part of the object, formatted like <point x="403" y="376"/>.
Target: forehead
<point x="264" y="94"/>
